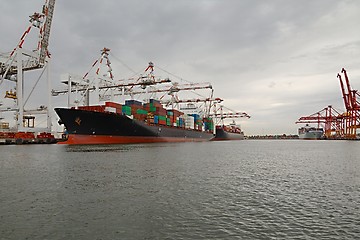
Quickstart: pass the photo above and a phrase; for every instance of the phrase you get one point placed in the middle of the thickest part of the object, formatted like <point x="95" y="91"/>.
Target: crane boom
<point x="84" y="88"/>
<point x="230" y="115"/>
<point x="218" y="100"/>
<point x="345" y="95"/>
<point x="48" y="11"/>
<point x="177" y="88"/>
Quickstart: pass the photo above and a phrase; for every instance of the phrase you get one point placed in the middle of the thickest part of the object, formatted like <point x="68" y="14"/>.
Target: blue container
<point x="156" y="119"/>
<point x="154" y="101"/>
<point x="133" y="102"/>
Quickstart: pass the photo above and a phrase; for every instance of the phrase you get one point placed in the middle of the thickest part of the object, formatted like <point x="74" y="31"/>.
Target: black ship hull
<point x="222" y="135"/>
<point x="90" y="127"/>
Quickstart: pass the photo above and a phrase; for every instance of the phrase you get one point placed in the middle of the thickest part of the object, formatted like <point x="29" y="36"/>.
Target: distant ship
<point x="228" y="132"/>
<point x="308" y="132"/>
<point x="132" y="122"/>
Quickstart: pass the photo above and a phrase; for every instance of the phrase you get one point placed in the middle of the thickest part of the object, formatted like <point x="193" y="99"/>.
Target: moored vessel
<point x="146" y="119"/>
<point x="311" y="133"/>
<point x="228" y="132"/>
<point x="133" y="122"/>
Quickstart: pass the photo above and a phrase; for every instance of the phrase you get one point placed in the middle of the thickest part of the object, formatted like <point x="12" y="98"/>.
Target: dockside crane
<point x="351" y="118"/>
<point x="101" y="81"/>
<point x="220" y="115"/>
<point x="328" y="118"/>
<point x="20" y="60"/>
<point x="339" y="125"/>
<point x="194" y="100"/>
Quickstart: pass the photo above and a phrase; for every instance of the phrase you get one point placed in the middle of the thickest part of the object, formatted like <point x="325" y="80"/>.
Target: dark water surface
<point x="252" y="189"/>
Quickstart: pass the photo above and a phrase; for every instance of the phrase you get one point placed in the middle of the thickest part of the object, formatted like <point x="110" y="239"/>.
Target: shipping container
<point x="126" y="110"/>
<point x="189" y="121"/>
<point x="162" y="117"/>
<point x="113" y="104"/>
<point x="92" y="108"/>
<point x="155" y="102"/>
<point x="133" y="102"/>
<point x="110" y="109"/>
<point x="141" y="111"/>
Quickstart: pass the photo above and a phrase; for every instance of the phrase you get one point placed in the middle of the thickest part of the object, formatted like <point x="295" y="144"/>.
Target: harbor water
<point x="251" y="189"/>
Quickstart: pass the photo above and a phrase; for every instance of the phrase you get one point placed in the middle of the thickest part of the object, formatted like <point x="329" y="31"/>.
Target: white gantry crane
<point x="20" y="60"/>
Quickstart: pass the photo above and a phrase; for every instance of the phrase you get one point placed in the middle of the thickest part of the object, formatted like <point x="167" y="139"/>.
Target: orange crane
<point x="351" y="118"/>
<point x="329" y="118"/>
<point x="339" y="125"/>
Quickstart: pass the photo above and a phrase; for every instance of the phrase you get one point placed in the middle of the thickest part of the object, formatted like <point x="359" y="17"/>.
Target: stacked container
<point x="208" y="124"/>
<point x="113" y="107"/>
<point x="99" y="108"/>
<point x="189" y="122"/>
<point x="126" y="110"/>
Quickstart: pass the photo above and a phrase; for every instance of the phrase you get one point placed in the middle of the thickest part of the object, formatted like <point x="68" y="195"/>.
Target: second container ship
<point x="310" y="133"/>
<point x="228" y="132"/>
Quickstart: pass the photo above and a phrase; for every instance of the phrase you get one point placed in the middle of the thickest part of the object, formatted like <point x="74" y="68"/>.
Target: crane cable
<point x="32" y="90"/>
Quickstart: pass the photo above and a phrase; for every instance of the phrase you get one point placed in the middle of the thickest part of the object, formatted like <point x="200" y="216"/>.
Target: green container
<point x="126" y="109"/>
<point x="141" y="111"/>
<point x="162" y="118"/>
<point x="152" y="108"/>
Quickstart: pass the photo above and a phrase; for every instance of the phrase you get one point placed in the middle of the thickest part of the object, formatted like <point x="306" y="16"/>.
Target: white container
<point x="110" y="109"/>
<point x="189" y="121"/>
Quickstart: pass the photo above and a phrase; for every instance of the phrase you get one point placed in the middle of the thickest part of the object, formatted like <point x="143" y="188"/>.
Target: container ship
<point x="228" y="132"/>
<point x="310" y="133"/>
<point x="132" y="122"/>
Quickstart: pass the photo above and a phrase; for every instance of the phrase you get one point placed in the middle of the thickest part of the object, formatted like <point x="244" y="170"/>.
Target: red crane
<point x="329" y="118"/>
<point x="351" y="118"/>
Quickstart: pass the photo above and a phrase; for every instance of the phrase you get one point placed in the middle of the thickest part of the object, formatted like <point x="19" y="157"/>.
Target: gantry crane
<point x="351" y="117"/>
<point x="20" y="60"/>
<point x="219" y="115"/>
<point x="104" y="82"/>
<point x="328" y="118"/>
<point x="339" y="125"/>
<point x="194" y="100"/>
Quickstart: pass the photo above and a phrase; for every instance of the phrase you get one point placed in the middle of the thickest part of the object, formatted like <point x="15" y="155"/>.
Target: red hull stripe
<point x="105" y="139"/>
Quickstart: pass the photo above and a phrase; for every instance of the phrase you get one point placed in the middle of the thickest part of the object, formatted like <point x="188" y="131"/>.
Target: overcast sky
<point x="276" y="60"/>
